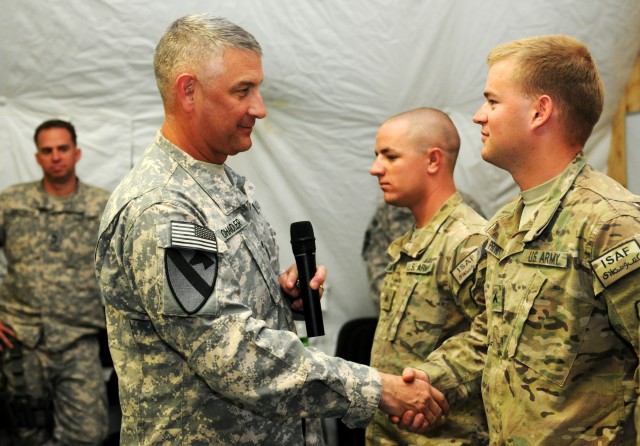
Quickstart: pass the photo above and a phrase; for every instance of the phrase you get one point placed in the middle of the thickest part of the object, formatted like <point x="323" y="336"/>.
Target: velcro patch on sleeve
<point x="617" y="263"/>
<point x="463" y="270"/>
<point x="192" y="236"/>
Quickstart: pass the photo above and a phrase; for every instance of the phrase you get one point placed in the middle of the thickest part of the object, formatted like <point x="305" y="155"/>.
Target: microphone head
<point x="302" y="238"/>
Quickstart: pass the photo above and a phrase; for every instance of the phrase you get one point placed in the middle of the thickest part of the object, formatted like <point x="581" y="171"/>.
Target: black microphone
<point x="304" y="250"/>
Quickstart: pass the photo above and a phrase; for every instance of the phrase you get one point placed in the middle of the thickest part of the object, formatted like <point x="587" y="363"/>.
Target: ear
<point x="185" y="87"/>
<point x="434" y="157"/>
<point x="78" y="154"/>
<point x="542" y="112"/>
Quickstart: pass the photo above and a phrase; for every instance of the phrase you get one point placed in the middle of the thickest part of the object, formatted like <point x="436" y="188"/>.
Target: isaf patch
<point x="466" y="266"/>
<point x="191" y="265"/>
<point x="617" y="263"/>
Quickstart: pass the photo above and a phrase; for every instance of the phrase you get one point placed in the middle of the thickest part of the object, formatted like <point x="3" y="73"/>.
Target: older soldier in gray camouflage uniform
<point x="201" y="335"/>
<point x="50" y="306"/>
<point x="433" y="287"/>
<point x="557" y="348"/>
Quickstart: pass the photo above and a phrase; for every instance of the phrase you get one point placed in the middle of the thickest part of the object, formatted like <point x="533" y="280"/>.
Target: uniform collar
<point x="71" y="203"/>
<point x="416" y="241"/>
<point x="506" y="220"/>
<point x="228" y="197"/>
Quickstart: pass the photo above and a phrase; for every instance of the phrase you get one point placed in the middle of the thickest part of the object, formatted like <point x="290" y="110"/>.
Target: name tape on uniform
<point x="494" y="248"/>
<point x="419" y="268"/>
<point x="232" y="227"/>
<point x="545" y="258"/>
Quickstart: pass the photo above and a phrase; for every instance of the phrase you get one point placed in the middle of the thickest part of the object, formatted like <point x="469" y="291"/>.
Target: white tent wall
<point x="334" y="70"/>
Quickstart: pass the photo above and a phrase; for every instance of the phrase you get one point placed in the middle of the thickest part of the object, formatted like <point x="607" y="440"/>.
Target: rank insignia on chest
<point x="497" y="299"/>
<point x="191" y="265"/>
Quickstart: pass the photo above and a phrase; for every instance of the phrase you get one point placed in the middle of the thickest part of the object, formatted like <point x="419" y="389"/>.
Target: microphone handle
<point x="310" y="298"/>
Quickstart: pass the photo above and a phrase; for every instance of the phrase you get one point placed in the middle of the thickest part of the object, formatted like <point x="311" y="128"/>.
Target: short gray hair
<point x="191" y="41"/>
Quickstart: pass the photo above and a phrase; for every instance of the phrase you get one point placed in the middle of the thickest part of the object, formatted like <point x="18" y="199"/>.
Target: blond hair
<point x="562" y="68"/>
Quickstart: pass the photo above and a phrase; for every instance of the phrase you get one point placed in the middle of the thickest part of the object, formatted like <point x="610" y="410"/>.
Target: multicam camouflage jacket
<point x="561" y="323"/>
<point x="202" y="339"/>
<point x="387" y="224"/>
<point x="50" y="292"/>
<point x="433" y="290"/>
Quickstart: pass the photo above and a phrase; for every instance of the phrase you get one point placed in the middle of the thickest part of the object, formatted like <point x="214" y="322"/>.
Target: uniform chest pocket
<point x="548" y="329"/>
<point x="22" y="229"/>
<point x="417" y="318"/>
<point x="78" y="237"/>
<point x="269" y="284"/>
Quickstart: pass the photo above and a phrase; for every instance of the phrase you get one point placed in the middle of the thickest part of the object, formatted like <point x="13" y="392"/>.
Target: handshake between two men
<point x="411" y="402"/>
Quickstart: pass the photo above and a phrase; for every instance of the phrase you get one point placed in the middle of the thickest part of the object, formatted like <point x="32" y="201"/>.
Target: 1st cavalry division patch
<point x="191" y="265"/>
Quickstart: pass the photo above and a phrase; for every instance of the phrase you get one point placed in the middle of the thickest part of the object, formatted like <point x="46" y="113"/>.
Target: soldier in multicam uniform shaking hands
<point x="557" y="347"/>
<point x="435" y="273"/>
<point x="200" y="329"/>
<point x="50" y="305"/>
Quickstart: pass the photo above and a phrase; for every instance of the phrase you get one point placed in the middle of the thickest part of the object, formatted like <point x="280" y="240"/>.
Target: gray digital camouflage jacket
<point x="202" y="340"/>
<point x="50" y="291"/>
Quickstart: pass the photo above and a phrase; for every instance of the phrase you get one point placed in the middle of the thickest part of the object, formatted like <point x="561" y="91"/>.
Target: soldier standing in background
<point x="50" y="305"/>
<point x="434" y="279"/>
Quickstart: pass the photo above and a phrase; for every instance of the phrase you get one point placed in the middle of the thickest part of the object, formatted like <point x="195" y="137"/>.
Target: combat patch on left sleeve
<point x="191" y="265"/>
<point x="617" y="263"/>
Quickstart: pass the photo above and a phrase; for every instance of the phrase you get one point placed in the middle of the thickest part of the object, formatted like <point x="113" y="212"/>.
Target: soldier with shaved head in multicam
<point x="557" y="348"/>
<point x="433" y="287"/>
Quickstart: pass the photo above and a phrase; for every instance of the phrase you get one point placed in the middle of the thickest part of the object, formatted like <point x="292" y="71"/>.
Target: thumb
<point x="409" y="375"/>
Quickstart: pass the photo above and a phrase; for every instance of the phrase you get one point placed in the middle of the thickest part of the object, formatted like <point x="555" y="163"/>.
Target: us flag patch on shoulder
<point x="192" y="236"/>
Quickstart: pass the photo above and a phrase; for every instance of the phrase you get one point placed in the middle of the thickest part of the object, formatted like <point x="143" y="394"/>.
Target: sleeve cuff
<point x="366" y="390"/>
